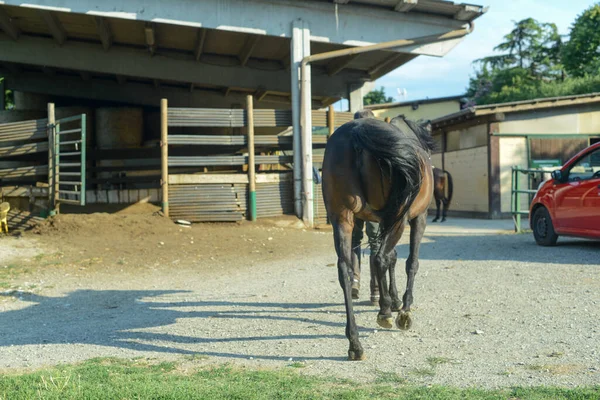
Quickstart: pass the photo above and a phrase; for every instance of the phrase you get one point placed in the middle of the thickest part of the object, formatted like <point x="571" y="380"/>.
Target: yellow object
<point x="4" y="207"/>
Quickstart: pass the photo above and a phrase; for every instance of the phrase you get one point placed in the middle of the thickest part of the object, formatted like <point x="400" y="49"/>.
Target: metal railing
<point x="517" y="191"/>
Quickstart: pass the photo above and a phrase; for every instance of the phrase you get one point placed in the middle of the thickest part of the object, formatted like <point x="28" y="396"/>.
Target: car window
<point x="586" y="168"/>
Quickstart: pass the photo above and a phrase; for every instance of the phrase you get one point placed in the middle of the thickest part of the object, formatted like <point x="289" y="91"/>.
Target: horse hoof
<point x="374" y="300"/>
<point x="404" y="321"/>
<point x="396" y="307"/>
<point x="434" y="220"/>
<point x="355" y="293"/>
<point x="356" y="355"/>
<point x="385" y="321"/>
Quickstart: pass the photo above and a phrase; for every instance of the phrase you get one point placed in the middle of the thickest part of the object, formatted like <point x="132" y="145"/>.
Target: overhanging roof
<point x="448" y="9"/>
<point x="516" y="106"/>
<point x="222" y="47"/>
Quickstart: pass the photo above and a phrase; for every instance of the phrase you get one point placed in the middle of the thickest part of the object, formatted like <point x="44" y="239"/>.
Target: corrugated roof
<point x="516" y="106"/>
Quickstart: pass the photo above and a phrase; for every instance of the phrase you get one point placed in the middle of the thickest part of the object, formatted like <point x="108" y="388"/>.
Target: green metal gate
<point x="517" y="191"/>
<point x="69" y="138"/>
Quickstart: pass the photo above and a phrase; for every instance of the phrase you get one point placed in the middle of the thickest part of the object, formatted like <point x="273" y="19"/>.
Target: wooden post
<point x="52" y="168"/>
<point x="330" y="121"/>
<point x="251" y="172"/>
<point x="164" y="156"/>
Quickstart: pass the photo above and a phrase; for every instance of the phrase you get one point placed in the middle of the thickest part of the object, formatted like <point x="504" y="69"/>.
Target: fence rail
<point x="517" y="191"/>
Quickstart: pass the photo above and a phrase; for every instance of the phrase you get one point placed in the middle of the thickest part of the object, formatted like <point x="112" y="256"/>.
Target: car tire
<point x="543" y="229"/>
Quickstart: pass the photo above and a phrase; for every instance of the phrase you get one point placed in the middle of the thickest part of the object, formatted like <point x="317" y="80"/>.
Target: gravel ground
<point x="491" y="310"/>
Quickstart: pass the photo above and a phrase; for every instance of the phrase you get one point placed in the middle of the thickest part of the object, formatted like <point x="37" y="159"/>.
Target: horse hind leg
<point x="445" y="211"/>
<point x="417" y="228"/>
<point x="385" y="258"/>
<point x="391" y="259"/>
<point x="342" y="233"/>
<point x="437" y="210"/>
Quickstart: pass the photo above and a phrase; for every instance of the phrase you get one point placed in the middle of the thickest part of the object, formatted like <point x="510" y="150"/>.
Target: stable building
<point x="480" y="145"/>
<point x="115" y="61"/>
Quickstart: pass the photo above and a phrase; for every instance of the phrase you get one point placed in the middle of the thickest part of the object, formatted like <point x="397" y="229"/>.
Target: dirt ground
<point x="492" y="309"/>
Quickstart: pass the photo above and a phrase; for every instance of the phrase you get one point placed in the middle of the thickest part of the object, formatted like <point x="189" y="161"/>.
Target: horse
<point x="439" y="192"/>
<point x="375" y="171"/>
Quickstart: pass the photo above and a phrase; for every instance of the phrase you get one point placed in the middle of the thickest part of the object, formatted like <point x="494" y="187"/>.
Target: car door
<point x="577" y="201"/>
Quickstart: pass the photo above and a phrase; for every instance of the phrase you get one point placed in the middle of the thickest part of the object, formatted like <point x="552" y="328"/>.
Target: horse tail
<point x="450" y="187"/>
<point x="401" y="155"/>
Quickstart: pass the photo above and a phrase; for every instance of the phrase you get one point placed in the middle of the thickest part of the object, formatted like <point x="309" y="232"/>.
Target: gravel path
<point x="491" y="310"/>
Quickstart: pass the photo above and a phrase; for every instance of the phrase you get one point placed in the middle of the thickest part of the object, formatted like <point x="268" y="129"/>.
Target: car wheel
<point x="543" y="230"/>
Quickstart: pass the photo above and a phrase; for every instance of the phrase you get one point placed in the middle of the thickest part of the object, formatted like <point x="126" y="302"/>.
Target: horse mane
<point x="421" y="129"/>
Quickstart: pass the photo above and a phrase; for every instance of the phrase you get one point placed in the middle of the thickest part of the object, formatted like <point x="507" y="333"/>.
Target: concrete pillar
<point x="300" y="48"/>
<point x="355" y="97"/>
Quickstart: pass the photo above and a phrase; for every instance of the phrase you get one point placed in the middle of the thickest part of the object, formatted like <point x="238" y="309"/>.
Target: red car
<point x="569" y="203"/>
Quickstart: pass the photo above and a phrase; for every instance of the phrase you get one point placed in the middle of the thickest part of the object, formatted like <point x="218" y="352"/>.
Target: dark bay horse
<point x="442" y="179"/>
<point x="380" y="172"/>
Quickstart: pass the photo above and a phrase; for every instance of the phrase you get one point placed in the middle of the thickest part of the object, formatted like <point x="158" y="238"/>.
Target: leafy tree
<point x="377" y="96"/>
<point x="8" y="97"/>
<point x="581" y="54"/>
<point x="530" y="55"/>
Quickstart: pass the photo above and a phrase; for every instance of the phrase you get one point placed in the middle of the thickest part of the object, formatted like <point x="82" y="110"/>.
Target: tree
<point x="8" y="97"/>
<point x="581" y="54"/>
<point x="377" y="97"/>
<point x="530" y="55"/>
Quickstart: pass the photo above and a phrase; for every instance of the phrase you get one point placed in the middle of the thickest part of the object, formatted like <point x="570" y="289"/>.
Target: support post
<point x="330" y="121"/>
<point x="164" y="155"/>
<point x="297" y="53"/>
<point x="251" y="164"/>
<point x="306" y="126"/>
<point x="355" y="97"/>
<point x="51" y="166"/>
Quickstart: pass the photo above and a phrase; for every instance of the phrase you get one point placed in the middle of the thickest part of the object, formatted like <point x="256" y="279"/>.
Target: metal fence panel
<point x="207" y="202"/>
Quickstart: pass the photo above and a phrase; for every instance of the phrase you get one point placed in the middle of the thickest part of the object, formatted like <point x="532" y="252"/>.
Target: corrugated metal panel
<point x="342" y="117"/>
<point x="212" y="117"/>
<point x="207" y="202"/>
<point x="24" y="130"/>
<point x="237" y="140"/>
<point x="23" y="172"/>
<point x="204" y="161"/>
<point x="320" y="213"/>
<point x="274" y="199"/>
<point x="263" y="118"/>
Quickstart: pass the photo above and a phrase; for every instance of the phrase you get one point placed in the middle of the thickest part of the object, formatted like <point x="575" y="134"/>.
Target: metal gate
<point x="68" y="169"/>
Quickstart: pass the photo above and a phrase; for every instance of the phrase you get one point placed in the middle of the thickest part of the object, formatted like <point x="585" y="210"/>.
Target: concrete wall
<point x="583" y="119"/>
<point x="474" y="136"/>
<point x="469" y="169"/>
<point x="424" y="111"/>
<point x="513" y="152"/>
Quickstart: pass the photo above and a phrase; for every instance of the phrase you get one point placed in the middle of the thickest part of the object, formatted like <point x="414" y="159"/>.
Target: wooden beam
<point x="49" y="71"/>
<point x="199" y="47"/>
<point x="405" y="5"/>
<point x="260" y="94"/>
<point x="86" y="76"/>
<point x="251" y="43"/>
<point x="338" y="64"/>
<point x="8" y="25"/>
<point x="387" y="63"/>
<point x="54" y="26"/>
<point x="103" y="29"/>
<point x="150" y="37"/>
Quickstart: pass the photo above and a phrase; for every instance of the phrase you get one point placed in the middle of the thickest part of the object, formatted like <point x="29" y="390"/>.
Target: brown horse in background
<point x="379" y="172"/>
<point x="439" y="192"/>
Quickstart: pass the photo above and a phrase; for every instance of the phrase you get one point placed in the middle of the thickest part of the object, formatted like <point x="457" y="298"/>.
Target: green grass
<point x="141" y="379"/>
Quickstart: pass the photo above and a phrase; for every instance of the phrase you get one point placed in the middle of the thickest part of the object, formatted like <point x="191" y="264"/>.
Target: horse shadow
<point x="129" y="320"/>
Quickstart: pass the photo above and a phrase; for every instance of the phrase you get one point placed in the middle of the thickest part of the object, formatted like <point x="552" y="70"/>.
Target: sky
<point x="430" y="77"/>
